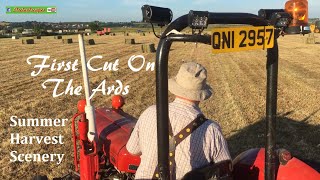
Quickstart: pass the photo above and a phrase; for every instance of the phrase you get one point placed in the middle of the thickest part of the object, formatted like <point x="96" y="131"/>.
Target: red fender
<point x="297" y="170"/>
<point x="249" y="165"/>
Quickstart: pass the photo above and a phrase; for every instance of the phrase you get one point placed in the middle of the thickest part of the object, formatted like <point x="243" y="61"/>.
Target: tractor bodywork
<point x="114" y="128"/>
<point x="249" y="165"/>
<point x="109" y="157"/>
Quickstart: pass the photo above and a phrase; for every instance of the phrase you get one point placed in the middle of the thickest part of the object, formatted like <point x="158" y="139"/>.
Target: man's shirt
<point x="206" y="144"/>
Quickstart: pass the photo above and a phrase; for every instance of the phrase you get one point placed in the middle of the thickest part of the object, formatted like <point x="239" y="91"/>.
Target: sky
<point x="130" y="10"/>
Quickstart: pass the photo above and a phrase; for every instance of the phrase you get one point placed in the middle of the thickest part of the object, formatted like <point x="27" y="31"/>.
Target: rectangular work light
<point x="198" y="19"/>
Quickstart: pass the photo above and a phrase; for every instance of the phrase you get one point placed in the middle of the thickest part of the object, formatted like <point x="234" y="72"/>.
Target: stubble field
<point x="238" y="104"/>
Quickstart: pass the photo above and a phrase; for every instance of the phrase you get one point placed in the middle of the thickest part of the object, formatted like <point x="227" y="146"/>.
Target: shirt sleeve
<point x="219" y="147"/>
<point x="134" y="142"/>
<point x="133" y="145"/>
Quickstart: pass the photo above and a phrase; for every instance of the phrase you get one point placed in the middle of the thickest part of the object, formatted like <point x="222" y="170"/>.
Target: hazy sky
<point x="129" y="10"/>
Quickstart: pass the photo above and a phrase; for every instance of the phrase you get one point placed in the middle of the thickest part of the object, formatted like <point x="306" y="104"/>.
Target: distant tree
<point x="94" y="26"/>
<point x="20" y="30"/>
<point x="37" y="30"/>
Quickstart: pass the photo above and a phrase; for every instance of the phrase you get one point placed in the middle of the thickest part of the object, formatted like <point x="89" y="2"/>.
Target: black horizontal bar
<point x="205" y="39"/>
<point x="236" y="18"/>
<point x="219" y="18"/>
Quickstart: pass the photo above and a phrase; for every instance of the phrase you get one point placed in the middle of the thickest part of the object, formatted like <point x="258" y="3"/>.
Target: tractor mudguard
<point x="250" y="165"/>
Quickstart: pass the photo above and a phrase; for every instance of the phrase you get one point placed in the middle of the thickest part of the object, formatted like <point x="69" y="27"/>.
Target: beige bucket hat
<point x="191" y="82"/>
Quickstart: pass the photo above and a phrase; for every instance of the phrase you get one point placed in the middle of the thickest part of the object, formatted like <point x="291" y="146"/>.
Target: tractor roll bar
<point x="219" y="18"/>
<point x="162" y="57"/>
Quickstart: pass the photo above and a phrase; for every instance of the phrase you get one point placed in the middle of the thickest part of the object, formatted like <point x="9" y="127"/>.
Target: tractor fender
<point x="251" y="163"/>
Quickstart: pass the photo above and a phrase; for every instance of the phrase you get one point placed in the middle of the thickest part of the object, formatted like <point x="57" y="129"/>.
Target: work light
<point x="158" y="15"/>
<point x="267" y="13"/>
<point x="198" y="19"/>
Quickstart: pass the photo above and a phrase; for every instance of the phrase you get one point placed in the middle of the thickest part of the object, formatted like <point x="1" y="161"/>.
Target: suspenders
<point x="174" y="141"/>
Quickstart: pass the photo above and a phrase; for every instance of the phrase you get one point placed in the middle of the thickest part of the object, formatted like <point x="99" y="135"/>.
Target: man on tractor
<point x="195" y="141"/>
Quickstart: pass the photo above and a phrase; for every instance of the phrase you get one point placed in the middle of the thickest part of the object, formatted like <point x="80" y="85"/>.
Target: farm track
<point x="238" y="103"/>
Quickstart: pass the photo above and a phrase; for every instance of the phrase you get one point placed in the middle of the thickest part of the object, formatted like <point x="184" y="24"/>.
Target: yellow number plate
<point x="242" y="38"/>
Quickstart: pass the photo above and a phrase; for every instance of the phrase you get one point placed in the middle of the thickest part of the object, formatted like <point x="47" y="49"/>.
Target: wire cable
<point x="154" y="31"/>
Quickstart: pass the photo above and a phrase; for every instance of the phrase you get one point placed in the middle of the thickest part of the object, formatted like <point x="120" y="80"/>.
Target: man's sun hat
<point x="191" y="82"/>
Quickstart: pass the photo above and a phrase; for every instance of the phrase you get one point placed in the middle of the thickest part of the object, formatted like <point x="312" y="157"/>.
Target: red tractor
<point x="102" y="133"/>
<point x="105" y="31"/>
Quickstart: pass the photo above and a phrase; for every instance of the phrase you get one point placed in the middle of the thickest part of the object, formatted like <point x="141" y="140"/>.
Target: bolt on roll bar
<point x="162" y="57"/>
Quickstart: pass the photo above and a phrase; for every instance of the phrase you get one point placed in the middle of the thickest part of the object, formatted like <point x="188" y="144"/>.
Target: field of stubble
<point x="238" y="103"/>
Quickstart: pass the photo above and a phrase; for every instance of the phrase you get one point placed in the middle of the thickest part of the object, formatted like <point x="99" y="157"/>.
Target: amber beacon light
<point x="299" y="12"/>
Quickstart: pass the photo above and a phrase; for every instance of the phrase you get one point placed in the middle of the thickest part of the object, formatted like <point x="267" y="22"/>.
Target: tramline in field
<point x="103" y="132"/>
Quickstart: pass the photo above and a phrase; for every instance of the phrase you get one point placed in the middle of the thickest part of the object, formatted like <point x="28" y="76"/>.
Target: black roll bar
<point x="162" y="57"/>
<point x="218" y="18"/>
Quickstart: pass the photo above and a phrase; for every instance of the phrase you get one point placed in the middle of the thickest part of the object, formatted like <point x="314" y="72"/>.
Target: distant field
<point x="238" y="103"/>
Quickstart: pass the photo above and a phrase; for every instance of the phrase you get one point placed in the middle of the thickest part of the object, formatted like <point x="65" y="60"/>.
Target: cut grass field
<point x="238" y="103"/>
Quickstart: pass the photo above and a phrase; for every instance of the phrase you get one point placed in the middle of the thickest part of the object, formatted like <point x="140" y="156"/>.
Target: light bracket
<point x="279" y="18"/>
